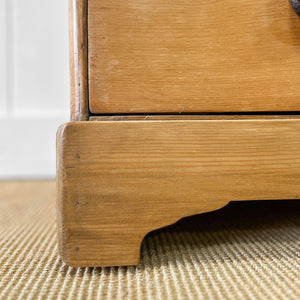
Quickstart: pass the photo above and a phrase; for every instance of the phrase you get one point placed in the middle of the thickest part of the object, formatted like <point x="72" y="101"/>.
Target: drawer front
<point x="185" y="56"/>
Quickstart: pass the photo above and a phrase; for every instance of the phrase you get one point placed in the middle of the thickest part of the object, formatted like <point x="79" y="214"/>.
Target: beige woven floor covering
<point x="248" y="250"/>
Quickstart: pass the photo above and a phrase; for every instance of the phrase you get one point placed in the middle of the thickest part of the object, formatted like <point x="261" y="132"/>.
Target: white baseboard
<point x="34" y="85"/>
<point x="27" y="147"/>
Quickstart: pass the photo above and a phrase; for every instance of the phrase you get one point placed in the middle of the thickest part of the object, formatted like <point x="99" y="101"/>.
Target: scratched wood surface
<point x="191" y="117"/>
<point x="118" y="180"/>
<point x="78" y="60"/>
<point x="193" y="56"/>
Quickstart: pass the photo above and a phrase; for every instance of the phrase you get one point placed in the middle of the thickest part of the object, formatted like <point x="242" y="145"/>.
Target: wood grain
<point x="118" y="180"/>
<point x="190" y="117"/>
<point x="193" y="56"/>
<point x="78" y="60"/>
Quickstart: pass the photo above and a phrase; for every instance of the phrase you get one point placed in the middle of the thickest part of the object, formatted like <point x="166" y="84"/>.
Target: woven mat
<point x="248" y="250"/>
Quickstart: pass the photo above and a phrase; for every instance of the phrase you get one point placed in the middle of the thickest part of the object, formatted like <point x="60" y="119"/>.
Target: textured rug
<point x="247" y="250"/>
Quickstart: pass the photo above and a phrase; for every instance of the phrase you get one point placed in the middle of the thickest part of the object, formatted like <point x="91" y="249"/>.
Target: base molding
<point x="119" y="180"/>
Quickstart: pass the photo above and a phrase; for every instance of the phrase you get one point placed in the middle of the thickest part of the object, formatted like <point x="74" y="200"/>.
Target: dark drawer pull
<point x="296" y="6"/>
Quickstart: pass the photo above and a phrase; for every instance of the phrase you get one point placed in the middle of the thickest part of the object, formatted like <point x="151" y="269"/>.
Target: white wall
<point x="34" y="85"/>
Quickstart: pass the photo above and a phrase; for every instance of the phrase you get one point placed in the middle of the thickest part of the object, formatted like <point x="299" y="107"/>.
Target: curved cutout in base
<point x="117" y="181"/>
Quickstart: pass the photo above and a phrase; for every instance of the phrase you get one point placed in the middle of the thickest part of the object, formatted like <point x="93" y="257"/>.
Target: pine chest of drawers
<point x="178" y="107"/>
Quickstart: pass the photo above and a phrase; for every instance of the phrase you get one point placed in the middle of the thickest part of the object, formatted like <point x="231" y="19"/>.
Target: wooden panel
<point x="193" y="56"/>
<point x="78" y="60"/>
<point x="190" y="117"/>
<point x="118" y="180"/>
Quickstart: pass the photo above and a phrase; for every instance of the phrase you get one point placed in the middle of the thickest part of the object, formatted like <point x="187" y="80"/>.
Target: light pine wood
<point x="190" y="117"/>
<point x="78" y="60"/>
<point x="193" y="56"/>
<point x="118" y="180"/>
